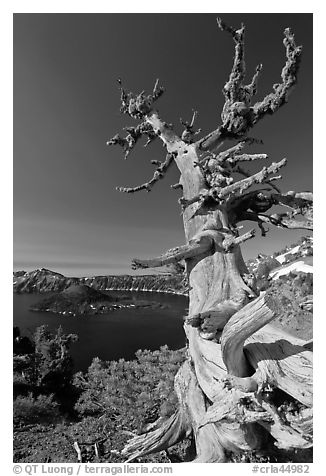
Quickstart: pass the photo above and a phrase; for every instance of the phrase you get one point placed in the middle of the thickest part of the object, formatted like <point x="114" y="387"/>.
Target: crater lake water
<point x="117" y="334"/>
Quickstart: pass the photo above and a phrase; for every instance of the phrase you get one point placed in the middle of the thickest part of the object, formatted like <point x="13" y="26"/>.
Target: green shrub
<point x="265" y="267"/>
<point x="42" y="409"/>
<point x="131" y="393"/>
<point x="53" y="362"/>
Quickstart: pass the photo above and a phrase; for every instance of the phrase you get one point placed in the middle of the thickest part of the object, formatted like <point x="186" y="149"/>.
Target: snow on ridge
<point x="282" y="258"/>
<point x="294" y="266"/>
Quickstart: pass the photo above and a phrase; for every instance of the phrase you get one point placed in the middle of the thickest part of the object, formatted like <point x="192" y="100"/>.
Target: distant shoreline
<point x="43" y="280"/>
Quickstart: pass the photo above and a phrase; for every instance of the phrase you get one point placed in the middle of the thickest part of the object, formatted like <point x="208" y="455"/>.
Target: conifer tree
<point x="53" y="362"/>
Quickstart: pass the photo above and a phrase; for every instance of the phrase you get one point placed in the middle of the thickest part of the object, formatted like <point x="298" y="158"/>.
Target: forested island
<point x="79" y="299"/>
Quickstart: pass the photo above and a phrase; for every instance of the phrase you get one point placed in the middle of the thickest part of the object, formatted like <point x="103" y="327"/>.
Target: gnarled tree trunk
<point x="236" y="359"/>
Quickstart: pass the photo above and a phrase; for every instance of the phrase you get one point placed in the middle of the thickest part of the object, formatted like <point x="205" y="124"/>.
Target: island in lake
<point x="80" y="299"/>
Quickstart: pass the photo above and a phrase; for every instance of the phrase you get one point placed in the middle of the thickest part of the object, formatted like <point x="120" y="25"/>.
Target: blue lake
<point x="111" y="336"/>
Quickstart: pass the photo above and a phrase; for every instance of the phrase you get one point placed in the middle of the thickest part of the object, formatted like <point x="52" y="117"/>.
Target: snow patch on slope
<point x="295" y="266"/>
<point x="282" y="258"/>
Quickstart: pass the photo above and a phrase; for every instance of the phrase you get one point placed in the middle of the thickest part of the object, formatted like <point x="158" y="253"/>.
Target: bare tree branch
<point x="238" y="115"/>
<point x="189" y="133"/>
<point x="165" y="131"/>
<point x="281" y="220"/>
<point x="251" y="89"/>
<point x="238" y="188"/>
<point x="229" y="242"/>
<point x="295" y="200"/>
<point x="158" y="175"/>
<point x="286" y="220"/>
<point x="175" y="186"/>
<point x="273" y="179"/>
<point x="233" y="88"/>
<point x="239" y="170"/>
<point x="137" y="106"/>
<point x="234" y="190"/>
<point x="131" y="139"/>
<point x="229" y="157"/>
<point x="197" y="246"/>
<point x="246" y="158"/>
<point x="275" y="100"/>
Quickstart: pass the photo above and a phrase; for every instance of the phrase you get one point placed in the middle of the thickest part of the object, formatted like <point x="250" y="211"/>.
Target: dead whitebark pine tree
<point x="236" y="359"/>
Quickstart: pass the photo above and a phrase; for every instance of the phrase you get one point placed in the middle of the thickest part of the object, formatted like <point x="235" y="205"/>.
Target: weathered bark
<point x="218" y="291"/>
<point x="236" y="359"/>
<point x="242" y="325"/>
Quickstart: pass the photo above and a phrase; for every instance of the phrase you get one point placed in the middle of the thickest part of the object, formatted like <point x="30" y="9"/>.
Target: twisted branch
<point x="295" y="200"/>
<point x="275" y="100"/>
<point x="138" y="106"/>
<point x="269" y="180"/>
<point x="203" y="243"/>
<point x="288" y="431"/>
<point x="133" y="136"/>
<point x="237" y="189"/>
<point x="243" y="324"/>
<point x="286" y="220"/>
<point x="238" y="115"/>
<point x="229" y="153"/>
<point x="234" y="190"/>
<point x="211" y="321"/>
<point x="232" y="89"/>
<point x="158" y="175"/>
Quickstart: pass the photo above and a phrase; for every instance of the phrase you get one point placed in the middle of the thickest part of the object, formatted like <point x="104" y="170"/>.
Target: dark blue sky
<point x="67" y="214"/>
